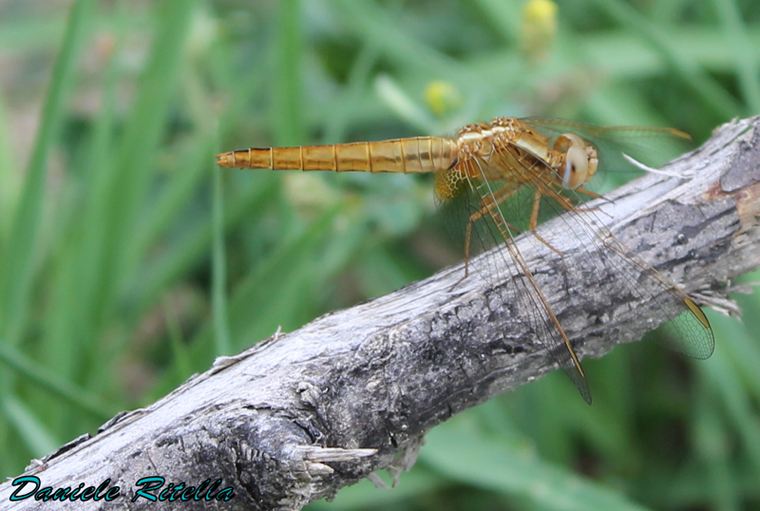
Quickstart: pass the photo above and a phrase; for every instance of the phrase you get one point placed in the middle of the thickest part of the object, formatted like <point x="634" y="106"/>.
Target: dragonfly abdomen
<point x="407" y="155"/>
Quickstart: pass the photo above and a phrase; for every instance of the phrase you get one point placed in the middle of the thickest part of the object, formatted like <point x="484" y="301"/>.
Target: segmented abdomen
<point x="416" y="154"/>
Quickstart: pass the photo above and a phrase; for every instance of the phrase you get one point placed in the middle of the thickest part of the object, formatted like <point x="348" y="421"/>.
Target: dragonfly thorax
<point x="508" y="143"/>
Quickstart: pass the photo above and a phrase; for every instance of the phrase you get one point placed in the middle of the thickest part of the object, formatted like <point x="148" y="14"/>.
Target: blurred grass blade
<point x="516" y="471"/>
<point x="10" y="182"/>
<point x="180" y="353"/>
<point x="745" y="54"/>
<point x="287" y="107"/>
<point x="142" y="135"/>
<point x="267" y="298"/>
<point x="37" y="437"/>
<point x="18" y="273"/>
<point x="711" y="444"/>
<point x="75" y="395"/>
<point x="192" y="249"/>
<point x="219" y="269"/>
<point x="724" y="379"/>
<point x="404" y="106"/>
<point x="383" y="31"/>
<point x="711" y="92"/>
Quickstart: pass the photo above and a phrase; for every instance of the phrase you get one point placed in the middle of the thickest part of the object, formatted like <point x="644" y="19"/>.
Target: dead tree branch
<point x="300" y="415"/>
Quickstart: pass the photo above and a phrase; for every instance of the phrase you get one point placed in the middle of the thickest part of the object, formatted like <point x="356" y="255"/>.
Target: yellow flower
<point x="442" y="97"/>
<point x="539" y="27"/>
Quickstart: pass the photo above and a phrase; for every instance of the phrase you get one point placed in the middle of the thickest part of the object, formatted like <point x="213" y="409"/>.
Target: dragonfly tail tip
<point x="224" y="160"/>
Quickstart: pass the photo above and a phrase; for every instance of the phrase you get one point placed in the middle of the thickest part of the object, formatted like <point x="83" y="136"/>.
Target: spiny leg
<point x="591" y="194"/>
<point x="537" y="195"/>
<point x="487" y="206"/>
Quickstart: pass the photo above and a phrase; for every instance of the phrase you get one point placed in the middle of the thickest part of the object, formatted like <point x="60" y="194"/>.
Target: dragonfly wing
<point x="476" y="216"/>
<point x="541" y="319"/>
<point x="689" y="332"/>
<point x="602" y="262"/>
<point x="652" y="146"/>
<point x="591" y="131"/>
<point x="692" y="327"/>
<point x="640" y="290"/>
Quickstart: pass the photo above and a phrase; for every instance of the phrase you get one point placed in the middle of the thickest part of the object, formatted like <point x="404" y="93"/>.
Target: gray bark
<point x="298" y="416"/>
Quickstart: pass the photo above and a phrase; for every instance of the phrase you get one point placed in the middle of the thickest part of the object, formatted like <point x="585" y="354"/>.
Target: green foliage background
<point x="128" y="261"/>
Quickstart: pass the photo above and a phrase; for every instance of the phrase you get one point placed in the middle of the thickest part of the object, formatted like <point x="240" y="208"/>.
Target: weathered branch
<point x="299" y="416"/>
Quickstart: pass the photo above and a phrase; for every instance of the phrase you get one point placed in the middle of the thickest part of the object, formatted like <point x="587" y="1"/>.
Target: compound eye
<point x="575" y="172"/>
<point x="576" y="168"/>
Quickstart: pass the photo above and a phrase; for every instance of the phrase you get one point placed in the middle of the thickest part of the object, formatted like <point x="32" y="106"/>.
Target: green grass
<point x="128" y="261"/>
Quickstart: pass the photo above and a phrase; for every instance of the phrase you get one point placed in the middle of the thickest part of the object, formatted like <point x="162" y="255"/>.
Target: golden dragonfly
<point x="505" y="173"/>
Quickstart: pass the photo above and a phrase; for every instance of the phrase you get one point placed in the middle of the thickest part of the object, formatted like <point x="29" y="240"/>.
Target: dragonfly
<point x="499" y="178"/>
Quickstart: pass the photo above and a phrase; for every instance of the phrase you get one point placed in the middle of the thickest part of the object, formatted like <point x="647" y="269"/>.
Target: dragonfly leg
<point x="582" y="208"/>
<point x="589" y="193"/>
<point x="537" y="195"/>
<point x="466" y="255"/>
<point x="489" y="206"/>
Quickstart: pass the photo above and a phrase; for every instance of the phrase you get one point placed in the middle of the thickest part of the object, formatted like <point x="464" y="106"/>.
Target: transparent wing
<point x="653" y="146"/>
<point x="522" y="298"/>
<point x="493" y="212"/>
<point x="689" y="332"/>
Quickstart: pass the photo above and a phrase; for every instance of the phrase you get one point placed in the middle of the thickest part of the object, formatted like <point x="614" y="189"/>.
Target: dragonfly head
<point x="579" y="161"/>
